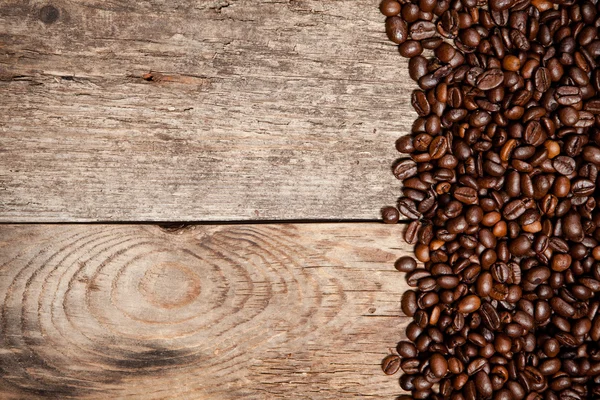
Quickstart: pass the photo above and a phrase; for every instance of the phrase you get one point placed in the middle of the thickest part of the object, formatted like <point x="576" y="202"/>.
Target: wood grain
<point x="300" y="311"/>
<point x="151" y="110"/>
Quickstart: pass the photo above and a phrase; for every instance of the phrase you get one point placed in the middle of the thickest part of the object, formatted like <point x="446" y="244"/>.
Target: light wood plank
<point x="151" y="110"/>
<point x="304" y="311"/>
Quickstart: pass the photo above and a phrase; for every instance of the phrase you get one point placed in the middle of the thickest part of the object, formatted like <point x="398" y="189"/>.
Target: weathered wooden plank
<point x="300" y="311"/>
<point x="134" y="110"/>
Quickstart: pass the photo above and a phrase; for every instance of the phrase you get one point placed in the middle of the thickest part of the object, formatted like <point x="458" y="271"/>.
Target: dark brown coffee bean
<point x="410" y="48"/>
<point x="410" y="366"/>
<point x="469" y="304"/>
<point x="489" y="316"/>
<point x="391" y="364"/>
<point x="490" y="79"/>
<point x="542" y="79"/>
<point x="568" y="95"/>
<point x="583" y="188"/>
<point x="407" y="208"/>
<point x="514" y="210"/>
<point x="534" y="134"/>
<point x="564" y="165"/>
<point x="404" y="169"/>
<point x="561" y="307"/>
<point x="409" y="303"/>
<point x="420" y="103"/>
<point x="417" y="67"/>
<point x="421" y="30"/>
<point x="390" y="215"/>
<point x="410" y="235"/>
<point x="438" y="147"/>
<point x="476" y="366"/>
<point x="396" y="29"/>
<point x="406" y="264"/>
<point x="568" y="115"/>
<point x="404" y="144"/>
<point x="438" y="365"/>
<point x="572" y="228"/>
<point x="390" y="8"/>
<point x="466" y="195"/>
<point x="406" y="349"/>
<point x="591" y="154"/>
<point x="483" y="384"/>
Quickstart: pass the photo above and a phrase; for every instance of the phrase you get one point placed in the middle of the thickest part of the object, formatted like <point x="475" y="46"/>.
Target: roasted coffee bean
<point x="410" y="48"/>
<point x="422" y="30"/>
<point x="407" y="208"/>
<point x="490" y="79"/>
<point x="396" y="29"/>
<point x="390" y="215"/>
<point x="406" y="264"/>
<point x="438" y="365"/>
<point x="469" y="304"/>
<point x="564" y="165"/>
<point x="409" y="303"/>
<point x="466" y="195"/>
<point x="391" y="364"/>
<point x="542" y="79"/>
<point x="489" y="316"/>
<point x="513" y="210"/>
<point x="410" y="234"/>
<point x="568" y="115"/>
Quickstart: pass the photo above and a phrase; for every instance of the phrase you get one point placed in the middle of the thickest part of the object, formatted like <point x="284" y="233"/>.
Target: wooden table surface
<point x="240" y="116"/>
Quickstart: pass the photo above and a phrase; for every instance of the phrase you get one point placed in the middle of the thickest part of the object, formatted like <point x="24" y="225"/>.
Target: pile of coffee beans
<point x="500" y="185"/>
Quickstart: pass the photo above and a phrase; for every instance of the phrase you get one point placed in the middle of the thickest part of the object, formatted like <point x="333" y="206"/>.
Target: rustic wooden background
<point x="248" y="111"/>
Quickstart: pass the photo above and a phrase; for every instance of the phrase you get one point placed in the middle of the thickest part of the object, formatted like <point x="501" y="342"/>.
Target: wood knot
<point x="49" y="14"/>
<point x="170" y="285"/>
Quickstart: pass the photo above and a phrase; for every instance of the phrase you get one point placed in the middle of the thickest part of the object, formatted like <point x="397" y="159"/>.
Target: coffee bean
<point x="568" y="95"/>
<point x="396" y="29"/>
<point x="568" y="115"/>
<point x="406" y="264"/>
<point x="410" y="234"/>
<point x="417" y="67"/>
<point x="466" y="195"/>
<point x="410" y="48"/>
<point x="489" y="316"/>
<point x="421" y="30"/>
<point x="490" y="79"/>
<point x="583" y="188"/>
<point x="438" y="147"/>
<point x="542" y="79"/>
<point x="564" y="165"/>
<point x="390" y="8"/>
<point x="404" y="169"/>
<point x="591" y="154"/>
<point x="391" y="364"/>
<point x="561" y="307"/>
<point x="409" y="303"/>
<point x="438" y="365"/>
<point x="406" y="349"/>
<point x="483" y="384"/>
<point x="390" y="215"/>
<point x="407" y="208"/>
<point x="469" y="304"/>
<point x="534" y="134"/>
